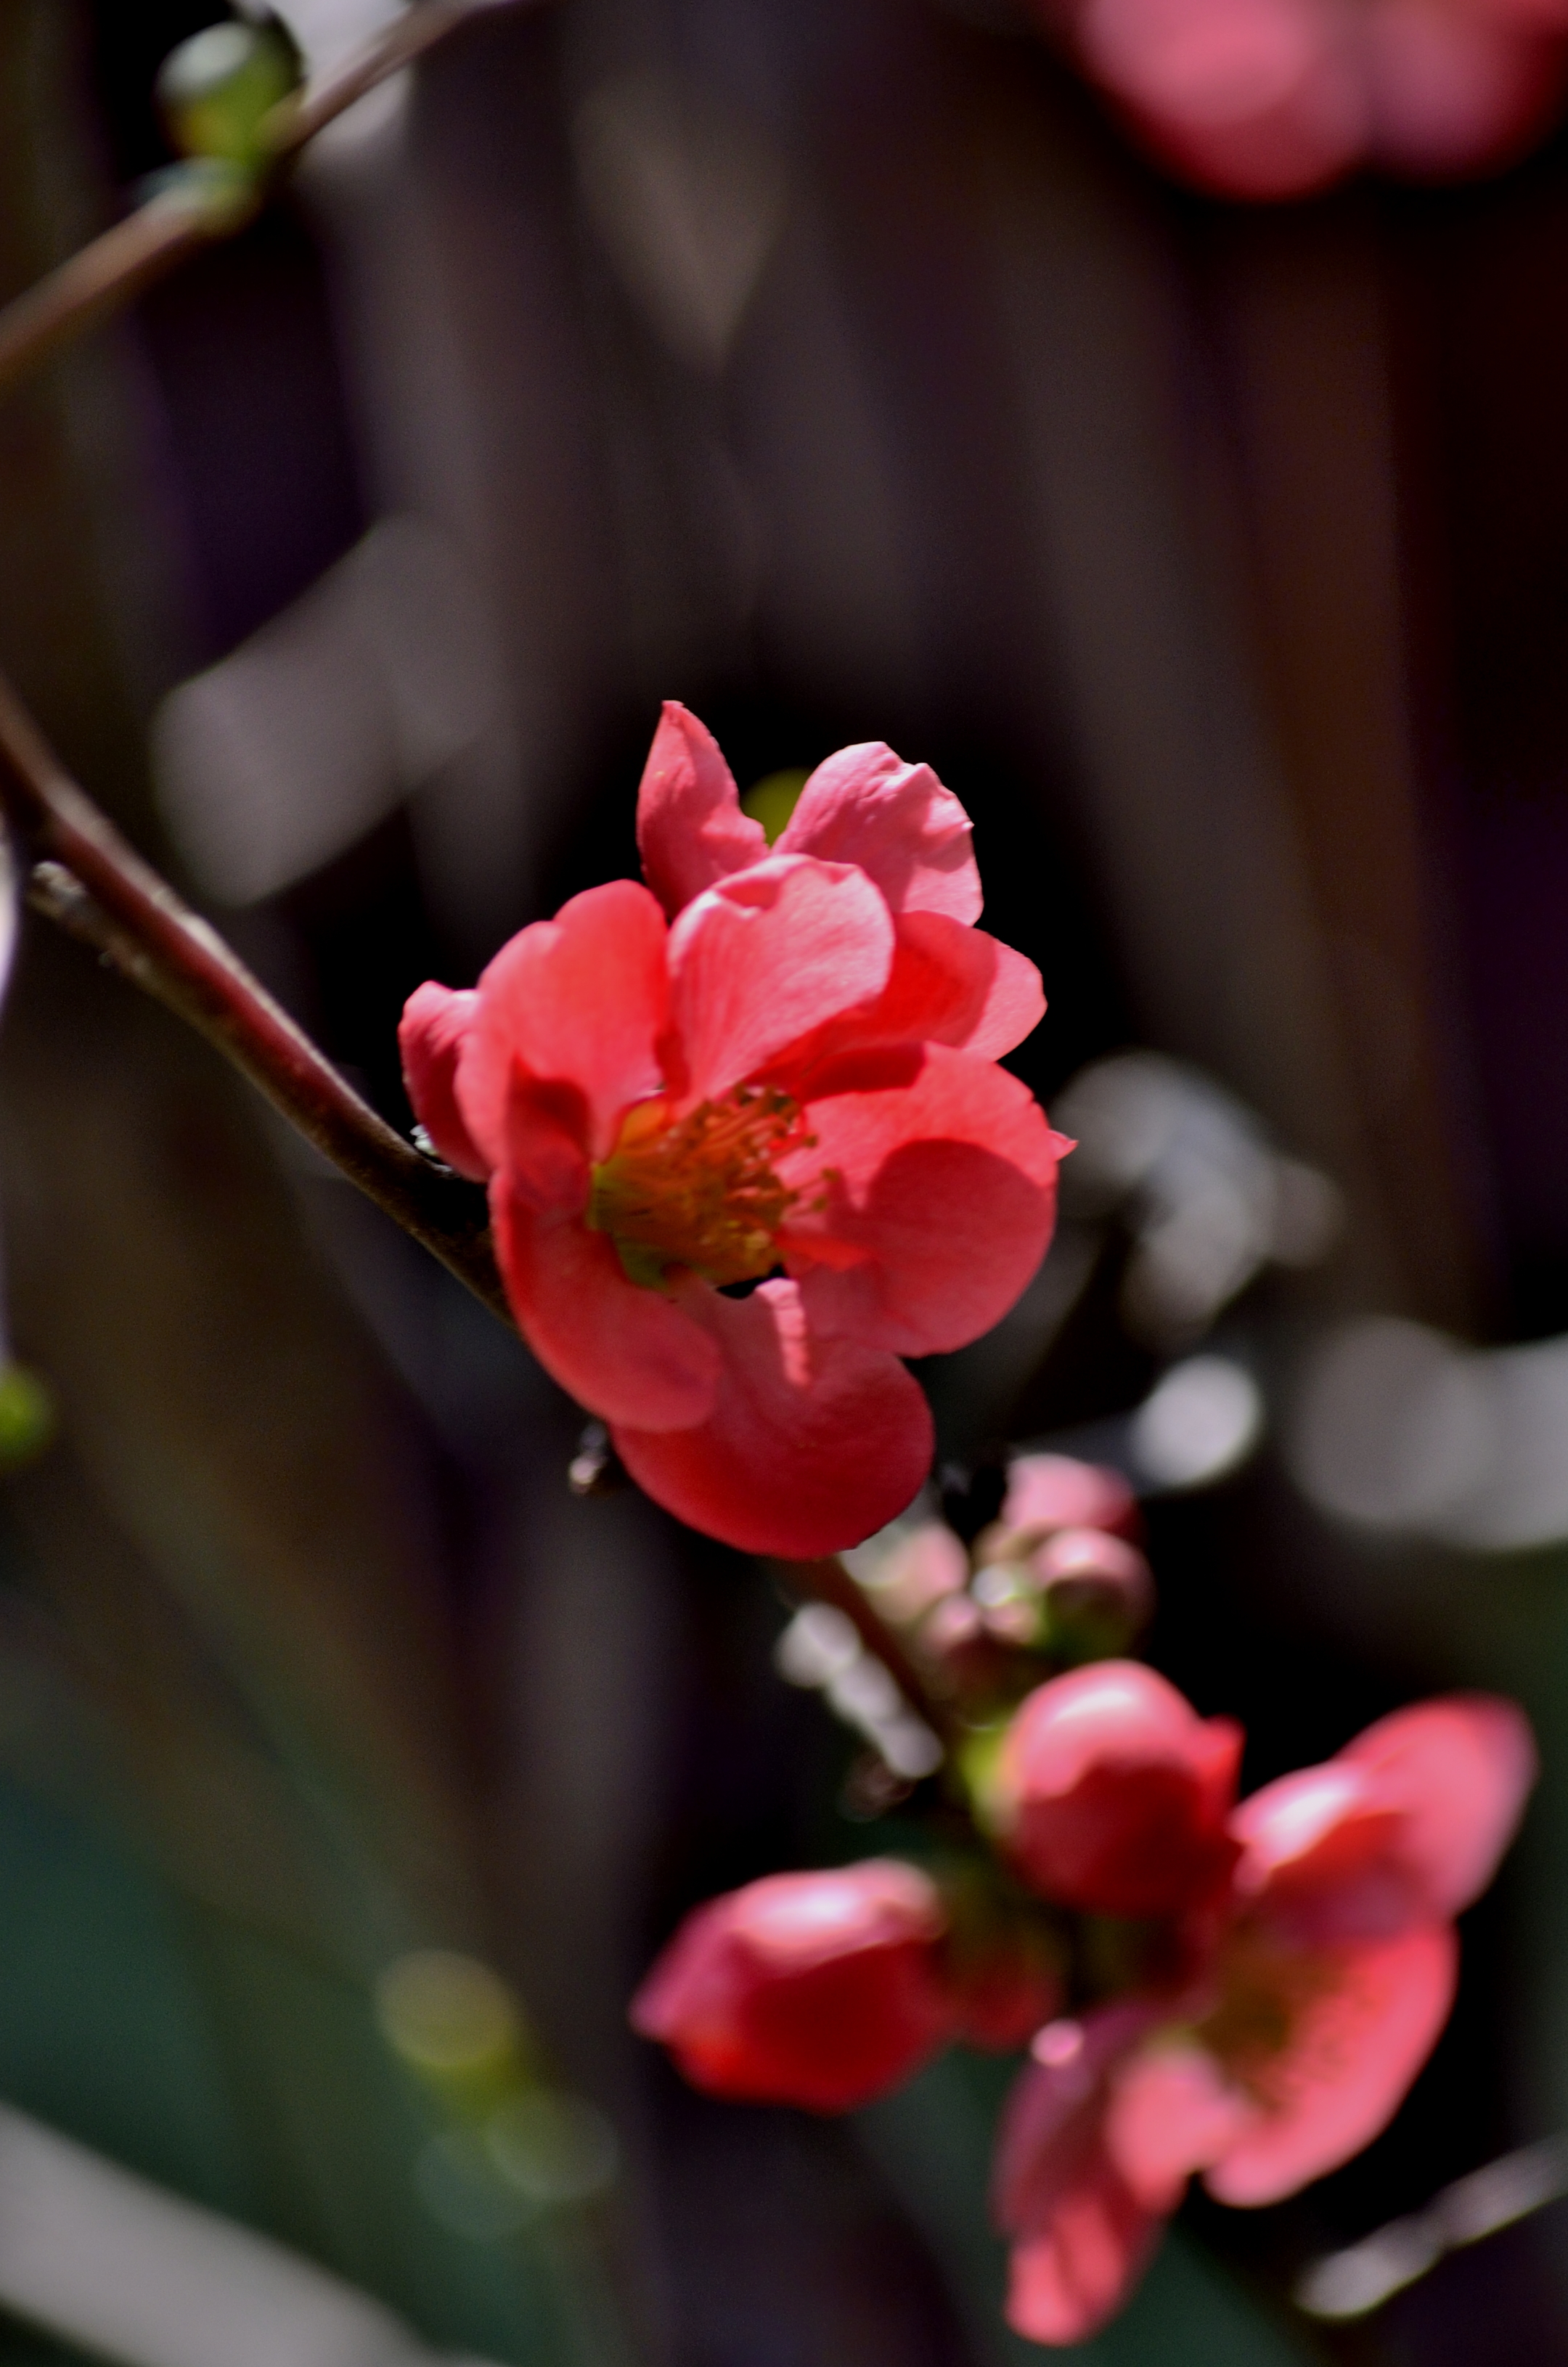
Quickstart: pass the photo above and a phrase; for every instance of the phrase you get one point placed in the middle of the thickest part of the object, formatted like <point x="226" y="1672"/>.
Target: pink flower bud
<point x="1057" y="1491"/>
<point x="1099" y="1590"/>
<point x="1111" y="1792"/>
<point x="817" y="1989"/>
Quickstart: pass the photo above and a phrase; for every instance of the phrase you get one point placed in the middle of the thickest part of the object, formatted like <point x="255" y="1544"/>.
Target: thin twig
<point x="116" y="267"/>
<point x="828" y="1581"/>
<point x="111" y="271"/>
<point x="85" y="878"/>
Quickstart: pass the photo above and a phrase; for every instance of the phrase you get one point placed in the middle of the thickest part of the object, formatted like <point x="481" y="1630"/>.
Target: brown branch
<point x="115" y="268"/>
<point x="85" y="878"/>
<point x="111" y="271"/>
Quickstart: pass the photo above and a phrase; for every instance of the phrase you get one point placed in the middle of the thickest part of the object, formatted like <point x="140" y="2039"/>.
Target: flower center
<point x="1268" y="1991"/>
<point x="699" y="1190"/>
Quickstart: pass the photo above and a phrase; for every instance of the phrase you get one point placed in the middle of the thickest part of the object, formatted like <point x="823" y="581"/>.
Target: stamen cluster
<point x="700" y="1191"/>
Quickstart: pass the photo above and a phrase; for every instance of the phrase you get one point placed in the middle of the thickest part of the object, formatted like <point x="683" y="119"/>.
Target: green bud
<point x="27" y="1417"/>
<point x="216" y="91"/>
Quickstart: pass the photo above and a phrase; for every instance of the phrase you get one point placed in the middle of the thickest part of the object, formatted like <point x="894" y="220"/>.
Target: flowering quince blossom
<point x="769" y="1068"/>
<point x="827" y="1989"/>
<point x="1111" y="1794"/>
<point x="1317" y="1981"/>
<point x="1271" y="99"/>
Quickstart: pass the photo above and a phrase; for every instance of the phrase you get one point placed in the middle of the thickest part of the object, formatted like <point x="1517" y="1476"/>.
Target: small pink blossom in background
<point x="1323" y="1981"/>
<point x="1057" y="1491"/>
<point x="827" y="1989"/>
<point x="1274" y="98"/>
<point x="769" y="1068"/>
<point x="816" y="1990"/>
<point x="1111" y="1794"/>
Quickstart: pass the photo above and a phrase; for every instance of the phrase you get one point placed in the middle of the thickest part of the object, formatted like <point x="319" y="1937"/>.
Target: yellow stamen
<point x="700" y="1191"/>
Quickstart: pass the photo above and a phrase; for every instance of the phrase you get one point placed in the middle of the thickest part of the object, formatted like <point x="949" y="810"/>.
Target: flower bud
<point x="1057" y="1491"/>
<point x="216" y="89"/>
<point x="1111" y="1794"/>
<point x="957" y="1642"/>
<point x="817" y="1989"/>
<point x="1098" y="1590"/>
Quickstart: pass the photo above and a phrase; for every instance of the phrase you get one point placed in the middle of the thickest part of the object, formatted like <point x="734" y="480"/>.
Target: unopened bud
<point x="216" y="91"/>
<point x="1098" y="1593"/>
<point x="1056" y="1491"/>
<point x="817" y="1989"/>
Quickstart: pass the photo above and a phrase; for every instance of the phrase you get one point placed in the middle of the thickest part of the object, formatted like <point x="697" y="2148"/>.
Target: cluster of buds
<point x="1241" y="1989"/>
<point x="1057" y="1578"/>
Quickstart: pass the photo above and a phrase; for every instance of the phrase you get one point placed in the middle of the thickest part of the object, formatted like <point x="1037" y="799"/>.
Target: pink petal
<point x="1081" y="2238"/>
<point x="578" y="1000"/>
<point x="812" y="1444"/>
<point x="766" y="958"/>
<point x="1459" y="1770"/>
<point x="815" y="1989"/>
<point x="936" y="1173"/>
<point x="690" y="829"/>
<point x="622" y="1352"/>
<point x="955" y="985"/>
<point x="1324" y="1858"/>
<point x="434" y="1028"/>
<point x="1068" y="2280"/>
<point x="1371" y="2017"/>
<point x="1057" y="1491"/>
<point x="897" y="821"/>
<point x="1172" y="2112"/>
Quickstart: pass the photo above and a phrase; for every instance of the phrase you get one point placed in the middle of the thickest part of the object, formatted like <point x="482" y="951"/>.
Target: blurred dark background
<point x="833" y="367"/>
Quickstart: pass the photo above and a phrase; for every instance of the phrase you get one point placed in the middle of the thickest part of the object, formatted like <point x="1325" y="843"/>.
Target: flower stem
<point x="828" y="1581"/>
<point x="84" y="876"/>
<point x="114" y="268"/>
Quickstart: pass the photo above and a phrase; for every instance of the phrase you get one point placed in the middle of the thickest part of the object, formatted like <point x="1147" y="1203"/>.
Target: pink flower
<point x="793" y="1086"/>
<point x="816" y="1990"/>
<point x="1270" y="98"/>
<point x="1111" y="1794"/>
<point x="1324" y="1981"/>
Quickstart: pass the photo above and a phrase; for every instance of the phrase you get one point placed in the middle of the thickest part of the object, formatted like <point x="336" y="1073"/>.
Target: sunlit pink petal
<point x="435" y="1026"/>
<point x="1057" y="1491"/>
<point x="624" y="1353"/>
<point x="815" y="1989"/>
<point x="1172" y="2111"/>
<point x="766" y="958"/>
<point x="958" y="985"/>
<point x="690" y="829"/>
<point x="811" y="1445"/>
<point x="580" y="1000"/>
<point x="897" y="821"/>
<point x="1111" y="1794"/>
<point x="1459" y="1770"/>
<point x="1324" y="1854"/>
<point x="1081" y="2239"/>
<point x="1071" y="2277"/>
<point x="936" y="1176"/>
<point x="1355" y="2044"/>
